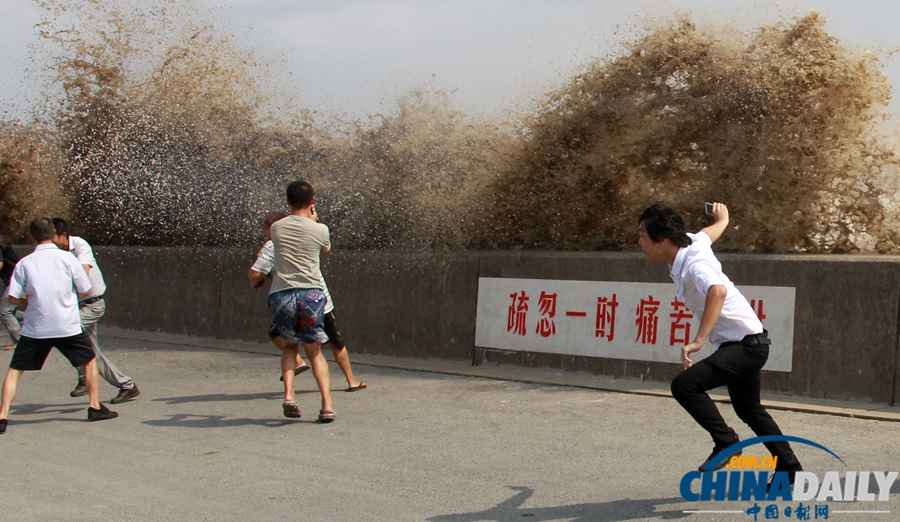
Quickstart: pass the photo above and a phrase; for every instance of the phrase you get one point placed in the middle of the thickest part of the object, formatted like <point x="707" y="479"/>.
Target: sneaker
<point x="102" y="413"/>
<point x="715" y="453"/>
<point x="792" y="475"/>
<point x="126" y="395"/>
<point x="3" y="424"/>
<point x="79" y="390"/>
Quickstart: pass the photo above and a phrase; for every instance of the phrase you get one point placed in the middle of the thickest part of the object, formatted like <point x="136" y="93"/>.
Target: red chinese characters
<point x="680" y="331"/>
<point x="515" y="320"/>
<point x="606" y="317"/>
<point x="547" y="308"/>
<point x="757" y="307"/>
<point x="647" y="321"/>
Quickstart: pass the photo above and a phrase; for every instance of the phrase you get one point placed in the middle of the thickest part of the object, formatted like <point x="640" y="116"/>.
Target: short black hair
<point x="272" y="217"/>
<point x="662" y="222"/>
<point x="41" y="228"/>
<point x="299" y="194"/>
<point x="61" y="226"/>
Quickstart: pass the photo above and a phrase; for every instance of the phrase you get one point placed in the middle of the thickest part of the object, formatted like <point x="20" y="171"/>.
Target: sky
<point x="354" y="58"/>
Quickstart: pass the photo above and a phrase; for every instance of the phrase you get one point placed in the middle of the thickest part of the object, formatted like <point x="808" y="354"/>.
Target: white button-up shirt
<point x="52" y="279"/>
<point x="695" y="270"/>
<point x="82" y="250"/>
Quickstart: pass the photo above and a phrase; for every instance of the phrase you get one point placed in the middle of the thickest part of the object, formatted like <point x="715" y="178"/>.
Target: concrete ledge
<point x="856" y="410"/>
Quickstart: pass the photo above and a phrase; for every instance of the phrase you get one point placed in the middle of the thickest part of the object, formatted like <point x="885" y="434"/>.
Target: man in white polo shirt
<point x="92" y="307"/>
<point x="47" y="284"/>
<point x="726" y="320"/>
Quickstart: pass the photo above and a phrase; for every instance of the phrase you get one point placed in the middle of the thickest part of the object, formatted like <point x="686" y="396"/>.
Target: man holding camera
<point x="726" y="320"/>
<point x="297" y="297"/>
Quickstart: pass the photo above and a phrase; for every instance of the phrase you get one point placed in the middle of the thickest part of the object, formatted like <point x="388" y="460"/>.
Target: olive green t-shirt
<point x="298" y="243"/>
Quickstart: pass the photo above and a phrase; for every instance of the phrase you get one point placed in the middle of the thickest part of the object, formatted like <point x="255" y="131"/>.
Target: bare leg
<point x="283" y="345"/>
<point x="320" y="372"/>
<point x="289" y="357"/>
<point x="342" y="357"/>
<point x="10" y="387"/>
<point x="92" y="382"/>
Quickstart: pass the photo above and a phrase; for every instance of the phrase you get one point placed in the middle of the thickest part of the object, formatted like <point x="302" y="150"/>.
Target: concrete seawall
<point x="414" y="304"/>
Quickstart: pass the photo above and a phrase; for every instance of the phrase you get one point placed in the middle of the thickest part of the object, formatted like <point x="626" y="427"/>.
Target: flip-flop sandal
<point x="361" y="386"/>
<point x="297" y="371"/>
<point x="291" y="409"/>
<point x="326" y="417"/>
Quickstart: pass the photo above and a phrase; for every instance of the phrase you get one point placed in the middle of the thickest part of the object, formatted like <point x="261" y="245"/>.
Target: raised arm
<point x="720" y="213"/>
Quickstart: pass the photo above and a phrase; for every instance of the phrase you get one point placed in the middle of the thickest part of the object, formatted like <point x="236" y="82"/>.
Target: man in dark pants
<point x="726" y="320"/>
<point x="8" y="260"/>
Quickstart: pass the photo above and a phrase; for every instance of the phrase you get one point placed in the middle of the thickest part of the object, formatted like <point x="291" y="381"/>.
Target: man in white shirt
<point x="92" y="307"/>
<point x="296" y="297"/>
<point x="726" y="320"/>
<point x="47" y="285"/>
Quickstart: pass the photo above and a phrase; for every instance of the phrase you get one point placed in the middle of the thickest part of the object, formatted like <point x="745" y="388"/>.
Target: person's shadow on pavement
<point x="189" y="420"/>
<point x="222" y="397"/>
<point x="615" y="511"/>
<point x="31" y="409"/>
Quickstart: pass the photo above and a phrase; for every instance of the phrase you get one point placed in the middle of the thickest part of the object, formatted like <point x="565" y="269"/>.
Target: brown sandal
<point x="297" y="371"/>
<point x="326" y="417"/>
<point x="291" y="409"/>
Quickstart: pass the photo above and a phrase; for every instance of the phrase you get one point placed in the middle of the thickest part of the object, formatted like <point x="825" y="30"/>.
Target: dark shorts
<point x="328" y="325"/>
<point x="298" y="315"/>
<point x="31" y="353"/>
<point x="331" y="330"/>
<point x="273" y="331"/>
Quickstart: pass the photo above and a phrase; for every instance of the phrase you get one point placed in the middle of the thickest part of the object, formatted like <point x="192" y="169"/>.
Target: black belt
<point x="757" y="339"/>
<point x="90" y="300"/>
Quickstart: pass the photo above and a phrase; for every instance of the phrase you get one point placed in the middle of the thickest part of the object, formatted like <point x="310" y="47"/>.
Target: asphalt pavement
<point x="206" y="440"/>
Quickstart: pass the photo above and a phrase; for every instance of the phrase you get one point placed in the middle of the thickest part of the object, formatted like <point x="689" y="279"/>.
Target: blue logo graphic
<point x="734" y="448"/>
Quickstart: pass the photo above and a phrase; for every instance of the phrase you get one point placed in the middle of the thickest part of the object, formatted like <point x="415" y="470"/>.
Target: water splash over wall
<point x="165" y="134"/>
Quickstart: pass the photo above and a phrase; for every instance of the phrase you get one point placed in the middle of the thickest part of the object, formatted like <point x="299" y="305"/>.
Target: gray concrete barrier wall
<point x="846" y="333"/>
<point x="845" y="328"/>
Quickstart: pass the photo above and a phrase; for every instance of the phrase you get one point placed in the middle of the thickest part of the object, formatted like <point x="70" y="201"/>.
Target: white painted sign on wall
<point x="635" y="321"/>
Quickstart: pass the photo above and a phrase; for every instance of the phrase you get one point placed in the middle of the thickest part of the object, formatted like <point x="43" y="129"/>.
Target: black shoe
<point x="3" y="424"/>
<point x="79" y="390"/>
<point x="791" y="476"/>
<point x="715" y="453"/>
<point x="126" y="395"/>
<point x="103" y="413"/>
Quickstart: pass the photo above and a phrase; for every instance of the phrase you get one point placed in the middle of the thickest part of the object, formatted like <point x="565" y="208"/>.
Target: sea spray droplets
<point x="762" y="122"/>
<point x="161" y="139"/>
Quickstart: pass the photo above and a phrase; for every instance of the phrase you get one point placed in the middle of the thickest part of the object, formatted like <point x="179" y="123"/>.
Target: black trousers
<point x="735" y="365"/>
